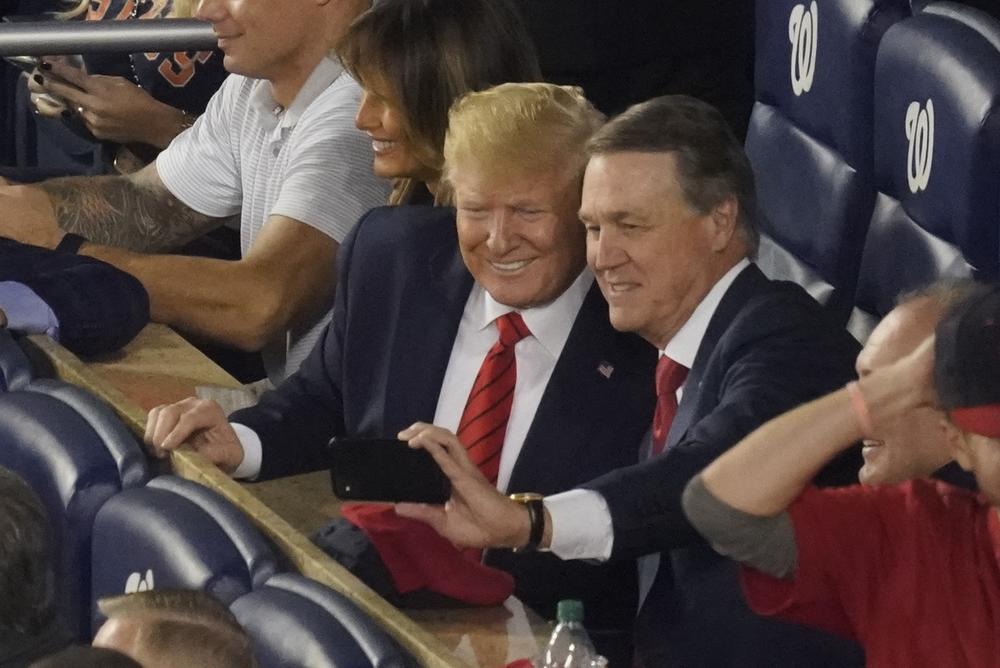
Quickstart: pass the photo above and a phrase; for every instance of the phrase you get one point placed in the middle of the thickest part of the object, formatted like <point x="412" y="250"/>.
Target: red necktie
<point x="484" y="420"/>
<point x="670" y="376"/>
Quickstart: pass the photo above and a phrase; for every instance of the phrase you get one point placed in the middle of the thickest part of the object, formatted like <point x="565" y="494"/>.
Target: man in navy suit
<point x="421" y="293"/>
<point x="88" y="306"/>
<point x="668" y="200"/>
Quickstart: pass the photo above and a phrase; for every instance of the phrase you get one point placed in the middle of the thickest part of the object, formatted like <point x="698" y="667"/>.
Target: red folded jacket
<point x="418" y="557"/>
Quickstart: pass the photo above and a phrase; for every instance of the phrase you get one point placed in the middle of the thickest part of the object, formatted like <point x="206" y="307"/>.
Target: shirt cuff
<point x="249" y="468"/>
<point x="581" y="525"/>
<point x="26" y="311"/>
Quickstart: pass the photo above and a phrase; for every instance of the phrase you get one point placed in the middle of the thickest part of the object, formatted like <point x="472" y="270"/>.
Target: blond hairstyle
<point x="517" y="125"/>
<point x="186" y="628"/>
<point x="182" y="9"/>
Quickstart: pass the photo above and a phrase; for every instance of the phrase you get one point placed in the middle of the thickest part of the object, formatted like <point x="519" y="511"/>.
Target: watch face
<point x="524" y="497"/>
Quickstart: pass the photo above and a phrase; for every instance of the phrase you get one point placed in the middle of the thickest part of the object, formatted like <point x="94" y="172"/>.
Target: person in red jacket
<point x="912" y="571"/>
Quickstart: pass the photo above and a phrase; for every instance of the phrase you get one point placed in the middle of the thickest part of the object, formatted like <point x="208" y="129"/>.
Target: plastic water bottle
<point x="569" y="646"/>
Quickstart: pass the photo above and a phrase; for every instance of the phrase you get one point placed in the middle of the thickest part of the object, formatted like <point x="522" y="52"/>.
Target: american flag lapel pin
<point x="605" y="369"/>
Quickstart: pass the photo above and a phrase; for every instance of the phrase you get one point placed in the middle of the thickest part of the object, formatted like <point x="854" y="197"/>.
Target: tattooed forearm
<point x="137" y="212"/>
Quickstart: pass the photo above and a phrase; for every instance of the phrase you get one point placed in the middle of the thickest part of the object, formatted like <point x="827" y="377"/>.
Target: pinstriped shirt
<point x="307" y="162"/>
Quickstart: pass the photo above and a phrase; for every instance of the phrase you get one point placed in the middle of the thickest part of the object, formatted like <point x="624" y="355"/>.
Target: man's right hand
<point x="477" y="515"/>
<point x="200" y="423"/>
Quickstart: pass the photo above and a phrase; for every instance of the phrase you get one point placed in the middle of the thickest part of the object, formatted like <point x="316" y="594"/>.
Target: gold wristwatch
<point x="536" y="518"/>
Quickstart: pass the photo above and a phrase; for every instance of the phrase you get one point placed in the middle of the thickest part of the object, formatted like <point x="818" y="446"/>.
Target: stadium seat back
<point x="15" y="369"/>
<point x="129" y="457"/>
<point x="174" y="533"/>
<point x="810" y="139"/>
<point x="937" y="157"/>
<point x="332" y="614"/>
<point x="61" y="457"/>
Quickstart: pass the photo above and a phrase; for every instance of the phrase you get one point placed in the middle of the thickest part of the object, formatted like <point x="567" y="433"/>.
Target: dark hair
<point x="27" y="581"/>
<point x="85" y="656"/>
<point x="711" y="162"/>
<point x="430" y="53"/>
<point x="188" y="627"/>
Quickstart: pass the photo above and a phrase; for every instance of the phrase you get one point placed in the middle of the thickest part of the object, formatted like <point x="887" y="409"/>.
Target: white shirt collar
<point x="683" y="347"/>
<point x="325" y="73"/>
<point x="549" y="324"/>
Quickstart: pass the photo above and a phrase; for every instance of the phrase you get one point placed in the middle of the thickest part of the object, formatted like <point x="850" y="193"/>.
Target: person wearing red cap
<point x="912" y="571"/>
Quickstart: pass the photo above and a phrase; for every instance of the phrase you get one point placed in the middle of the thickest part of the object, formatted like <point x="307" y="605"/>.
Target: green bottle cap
<point x="569" y="610"/>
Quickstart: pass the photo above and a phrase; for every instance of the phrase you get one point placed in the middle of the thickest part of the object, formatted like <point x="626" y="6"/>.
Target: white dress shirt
<point x="581" y="521"/>
<point x="535" y="355"/>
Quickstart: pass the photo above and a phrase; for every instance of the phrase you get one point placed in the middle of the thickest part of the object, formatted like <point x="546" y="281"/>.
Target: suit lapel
<point x="430" y="309"/>
<point x="585" y="385"/>
<point x="743" y="288"/>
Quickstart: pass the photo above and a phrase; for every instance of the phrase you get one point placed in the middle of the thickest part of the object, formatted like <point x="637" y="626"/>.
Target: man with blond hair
<point x="488" y="324"/>
<point x="174" y="627"/>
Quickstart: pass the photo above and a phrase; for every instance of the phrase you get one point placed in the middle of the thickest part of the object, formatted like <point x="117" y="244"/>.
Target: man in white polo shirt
<point x="276" y="146"/>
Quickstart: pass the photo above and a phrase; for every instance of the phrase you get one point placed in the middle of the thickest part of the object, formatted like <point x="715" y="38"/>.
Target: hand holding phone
<point x="382" y="469"/>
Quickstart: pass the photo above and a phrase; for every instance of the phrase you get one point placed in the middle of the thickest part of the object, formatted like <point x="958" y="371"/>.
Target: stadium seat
<point x="176" y="533"/>
<point x="810" y="138"/>
<point x="65" y="461"/>
<point x="15" y="369"/>
<point x="133" y="469"/>
<point x="295" y="621"/>
<point x="937" y="157"/>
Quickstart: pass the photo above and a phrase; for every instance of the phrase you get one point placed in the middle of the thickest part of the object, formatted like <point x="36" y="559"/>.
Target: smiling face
<point x="385" y="122"/>
<point x="914" y="445"/>
<point x="519" y="233"/>
<point x="654" y="256"/>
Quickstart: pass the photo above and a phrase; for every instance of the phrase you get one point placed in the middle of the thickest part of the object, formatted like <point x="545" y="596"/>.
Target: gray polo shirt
<point x="308" y="162"/>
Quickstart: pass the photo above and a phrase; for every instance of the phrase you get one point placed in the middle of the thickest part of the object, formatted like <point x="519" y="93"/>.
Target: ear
<point x="722" y="221"/>
<point x="957" y="443"/>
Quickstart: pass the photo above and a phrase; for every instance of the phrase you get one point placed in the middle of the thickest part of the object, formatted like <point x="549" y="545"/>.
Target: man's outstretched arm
<point x="134" y="212"/>
<point x="287" y="277"/>
<point x="284" y="279"/>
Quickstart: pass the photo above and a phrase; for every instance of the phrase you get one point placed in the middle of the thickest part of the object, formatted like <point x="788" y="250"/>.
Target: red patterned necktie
<point x="484" y="420"/>
<point x="670" y="376"/>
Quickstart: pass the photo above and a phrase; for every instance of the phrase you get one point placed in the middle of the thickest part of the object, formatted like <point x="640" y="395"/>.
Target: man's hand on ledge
<point x="477" y="515"/>
<point x="28" y="216"/>
<point x="200" y="423"/>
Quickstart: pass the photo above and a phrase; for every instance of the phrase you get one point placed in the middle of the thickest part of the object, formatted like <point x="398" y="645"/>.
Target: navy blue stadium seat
<point x="937" y="157"/>
<point x="810" y="138"/>
<point x="65" y="461"/>
<point x="178" y="534"/>
<point x="295" y="621"/>
<point x="15" y="369"/>
<point x="129" y="457"/>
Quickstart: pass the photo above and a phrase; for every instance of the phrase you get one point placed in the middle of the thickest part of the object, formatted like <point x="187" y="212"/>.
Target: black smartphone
<point x="385" y="469"/>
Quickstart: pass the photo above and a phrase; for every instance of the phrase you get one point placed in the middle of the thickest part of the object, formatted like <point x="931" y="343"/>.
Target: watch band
<point x="70" y="243"/>
<point x="536" y="519"/>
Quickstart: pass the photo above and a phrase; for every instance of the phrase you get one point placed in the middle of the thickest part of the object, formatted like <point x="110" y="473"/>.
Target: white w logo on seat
<point x="804" y="36"/>
<point x="920" y="154"/>
<point x="137" y="583"/>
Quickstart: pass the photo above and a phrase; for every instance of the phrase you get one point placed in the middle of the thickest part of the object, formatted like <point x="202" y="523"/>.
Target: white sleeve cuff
<point x="249" y="468"/>
<point x="581" y="525"/>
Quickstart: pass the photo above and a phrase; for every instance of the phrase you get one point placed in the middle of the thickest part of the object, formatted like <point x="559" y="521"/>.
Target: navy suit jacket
<point x="401" y="292"/>
<point x="768" y="348"/>
<point x="99" y="307"/>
